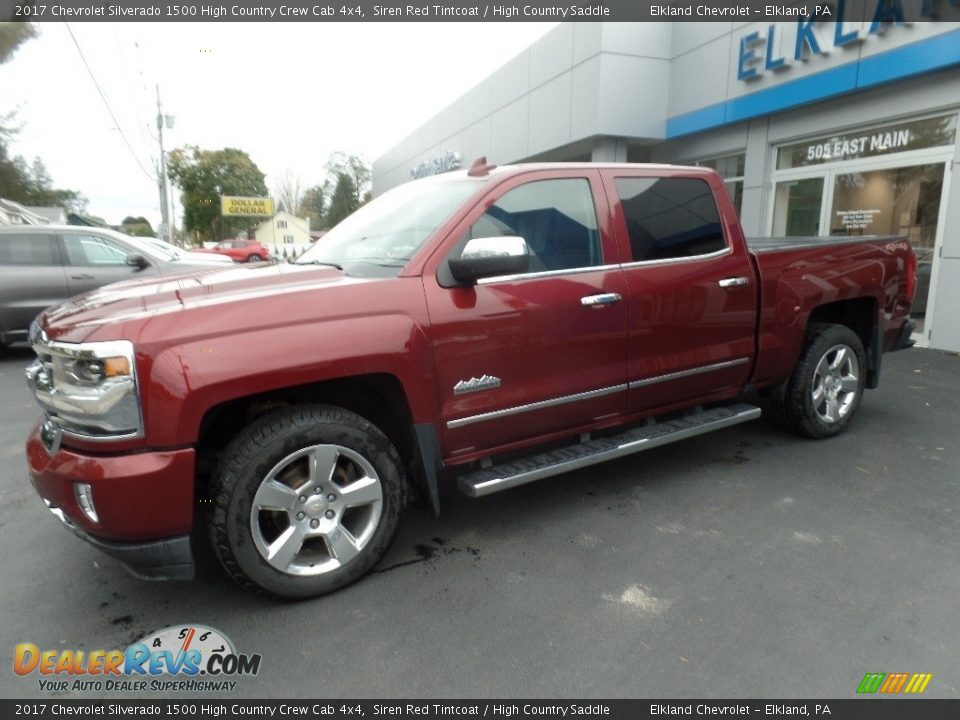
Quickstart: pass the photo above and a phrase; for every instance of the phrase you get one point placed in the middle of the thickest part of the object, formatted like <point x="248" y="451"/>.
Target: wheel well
<point x="377" y="397"/>
<point x="859" y="314"/>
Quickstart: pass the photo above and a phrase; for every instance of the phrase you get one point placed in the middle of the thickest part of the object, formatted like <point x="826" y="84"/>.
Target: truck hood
<point x="247" y="292"/>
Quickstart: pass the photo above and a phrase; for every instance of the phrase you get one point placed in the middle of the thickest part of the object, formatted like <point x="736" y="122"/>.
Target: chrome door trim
<point x="687" y="373"/>
<point x="546" y="274"/>
<point x="669" y="261"/>
<point x="539" y="405"/>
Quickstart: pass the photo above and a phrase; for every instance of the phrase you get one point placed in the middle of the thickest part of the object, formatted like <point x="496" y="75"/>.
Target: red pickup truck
<point x="492" y="327"/>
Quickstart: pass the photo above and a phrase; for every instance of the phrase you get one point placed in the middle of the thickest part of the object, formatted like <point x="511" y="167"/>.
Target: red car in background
<point x="240" y="250"/>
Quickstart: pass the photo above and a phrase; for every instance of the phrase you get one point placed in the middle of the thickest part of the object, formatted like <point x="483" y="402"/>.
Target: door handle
<point x="599" y="301"/>
<point x="84" y="276"/>
<point x="734" y="282"/>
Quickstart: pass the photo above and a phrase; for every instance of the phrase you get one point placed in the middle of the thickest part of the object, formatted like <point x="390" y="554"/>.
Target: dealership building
<point x="818" y="128"/>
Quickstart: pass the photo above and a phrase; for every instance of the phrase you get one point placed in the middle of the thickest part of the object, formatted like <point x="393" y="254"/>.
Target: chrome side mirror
<point x="490" y="256"/>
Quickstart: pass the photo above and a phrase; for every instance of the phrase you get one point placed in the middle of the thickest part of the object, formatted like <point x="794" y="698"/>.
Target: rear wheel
<point x="307" y="500"/>
<point x="825" y="389"/>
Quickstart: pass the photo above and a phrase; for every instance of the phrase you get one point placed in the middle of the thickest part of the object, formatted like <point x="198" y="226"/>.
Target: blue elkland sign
<point x="753" y="60"/>
<point x="761" y="53"/>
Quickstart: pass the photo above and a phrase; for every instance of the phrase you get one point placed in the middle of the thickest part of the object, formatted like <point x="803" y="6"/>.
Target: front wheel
<point x="307" y="500"/>
<point x="255" y="258"/>
<point x="825" y="389"/>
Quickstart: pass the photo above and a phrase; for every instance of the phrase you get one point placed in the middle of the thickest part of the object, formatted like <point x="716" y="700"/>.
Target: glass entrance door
<point x="895" y="201"/>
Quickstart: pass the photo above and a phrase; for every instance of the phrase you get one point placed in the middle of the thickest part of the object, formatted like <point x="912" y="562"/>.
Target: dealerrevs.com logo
<point x="188" y="658"/>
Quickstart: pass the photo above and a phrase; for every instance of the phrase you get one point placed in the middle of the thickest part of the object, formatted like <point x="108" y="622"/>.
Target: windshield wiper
<point x="318" y="262"/>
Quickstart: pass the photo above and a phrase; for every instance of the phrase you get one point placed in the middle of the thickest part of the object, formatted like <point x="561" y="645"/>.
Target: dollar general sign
<point x="246" y="206"/>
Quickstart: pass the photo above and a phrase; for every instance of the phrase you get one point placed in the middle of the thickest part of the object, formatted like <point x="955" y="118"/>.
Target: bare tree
<point x="289" y="190"/>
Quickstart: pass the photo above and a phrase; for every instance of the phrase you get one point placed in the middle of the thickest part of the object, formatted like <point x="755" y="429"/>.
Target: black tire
<point x="254" y="258"/>
<point x="254" y="457"/>
<point x="796" y="407"/>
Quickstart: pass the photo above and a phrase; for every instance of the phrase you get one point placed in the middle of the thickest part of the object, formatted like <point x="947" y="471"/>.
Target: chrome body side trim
<point x="540" y="405"/>
<point x="668" y="261"/>
<point x="553" y="402"/>
<point x="687" y="373"/>
<point x="546" y="274"/>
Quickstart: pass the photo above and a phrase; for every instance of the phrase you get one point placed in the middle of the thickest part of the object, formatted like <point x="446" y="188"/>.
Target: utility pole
<point x="162" y="178"/>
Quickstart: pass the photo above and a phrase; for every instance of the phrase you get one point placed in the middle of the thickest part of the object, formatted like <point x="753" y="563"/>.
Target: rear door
<point x="533" y="354"/>
<point x="31" y="278"/>
<point x="94" y="261"/>
<point x="691" y="291"/>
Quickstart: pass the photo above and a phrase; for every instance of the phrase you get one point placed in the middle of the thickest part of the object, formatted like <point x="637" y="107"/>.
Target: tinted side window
<point x="93" y="250"/>
<point x="27" y="249"/>
<point x="670" y="217"/>
<point x="557" y="218"/>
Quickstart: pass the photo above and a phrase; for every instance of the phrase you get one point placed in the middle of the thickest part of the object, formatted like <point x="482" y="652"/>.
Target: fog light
<point x="84" y="494"/>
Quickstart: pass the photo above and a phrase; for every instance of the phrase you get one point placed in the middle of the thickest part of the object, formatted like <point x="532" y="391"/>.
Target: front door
<point x="541" y="352"/>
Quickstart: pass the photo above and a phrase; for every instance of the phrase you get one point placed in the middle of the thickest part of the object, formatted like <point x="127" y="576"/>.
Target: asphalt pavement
<point x="746" y="563"/>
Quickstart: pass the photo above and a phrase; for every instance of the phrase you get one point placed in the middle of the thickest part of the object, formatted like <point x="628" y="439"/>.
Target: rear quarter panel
<point x="794" y="282"/>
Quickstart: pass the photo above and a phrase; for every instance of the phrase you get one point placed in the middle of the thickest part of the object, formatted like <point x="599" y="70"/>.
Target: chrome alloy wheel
<point x="316" y="510"/>
<point x="836" y="383"/>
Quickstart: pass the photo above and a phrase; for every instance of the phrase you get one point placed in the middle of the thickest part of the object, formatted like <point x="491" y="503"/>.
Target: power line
<point x="107" y="104"/>
<point x="130" y="85"/>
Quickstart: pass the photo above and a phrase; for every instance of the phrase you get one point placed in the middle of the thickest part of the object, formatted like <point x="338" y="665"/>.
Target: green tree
<point x="20" y="182"/>
<point x="32" y="185"/>
<point x="204" y="176"/>
<point x="343" y="201"/>
<point x="340" y="163"/>
<point x="313" y="205"/>
<point x="12" y="36"/>
<point x="137" y="226"/>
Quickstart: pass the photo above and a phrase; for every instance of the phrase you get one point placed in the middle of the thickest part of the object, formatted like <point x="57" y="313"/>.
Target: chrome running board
<point x="579" y="455"/>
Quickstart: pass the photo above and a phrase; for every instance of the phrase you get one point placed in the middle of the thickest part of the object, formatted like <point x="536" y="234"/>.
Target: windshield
<point x="379" y="238"/>
<point x="158" y="247"/>
<point x="151" y="247"/>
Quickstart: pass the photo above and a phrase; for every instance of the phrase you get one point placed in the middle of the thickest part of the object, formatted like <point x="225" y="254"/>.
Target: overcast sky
<point x="287" y="93"/>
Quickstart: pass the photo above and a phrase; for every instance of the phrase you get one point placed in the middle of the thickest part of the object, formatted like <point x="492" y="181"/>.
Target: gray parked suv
<point x="41" y="265"/>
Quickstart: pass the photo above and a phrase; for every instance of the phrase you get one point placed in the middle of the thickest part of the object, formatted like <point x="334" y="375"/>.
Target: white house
<point x="286" y="235"/>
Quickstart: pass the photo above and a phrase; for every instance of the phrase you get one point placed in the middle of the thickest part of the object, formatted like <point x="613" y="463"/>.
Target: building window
<point x="281" y="224"/>
<point x="730" y="168"/>
<point x="288" y="239"/>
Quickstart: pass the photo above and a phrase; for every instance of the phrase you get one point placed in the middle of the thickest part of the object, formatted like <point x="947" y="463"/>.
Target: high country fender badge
<point x="487" y="382"/>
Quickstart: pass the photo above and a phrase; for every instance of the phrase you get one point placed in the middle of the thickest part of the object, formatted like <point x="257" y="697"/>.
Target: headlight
<point x="88" y="390"/>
